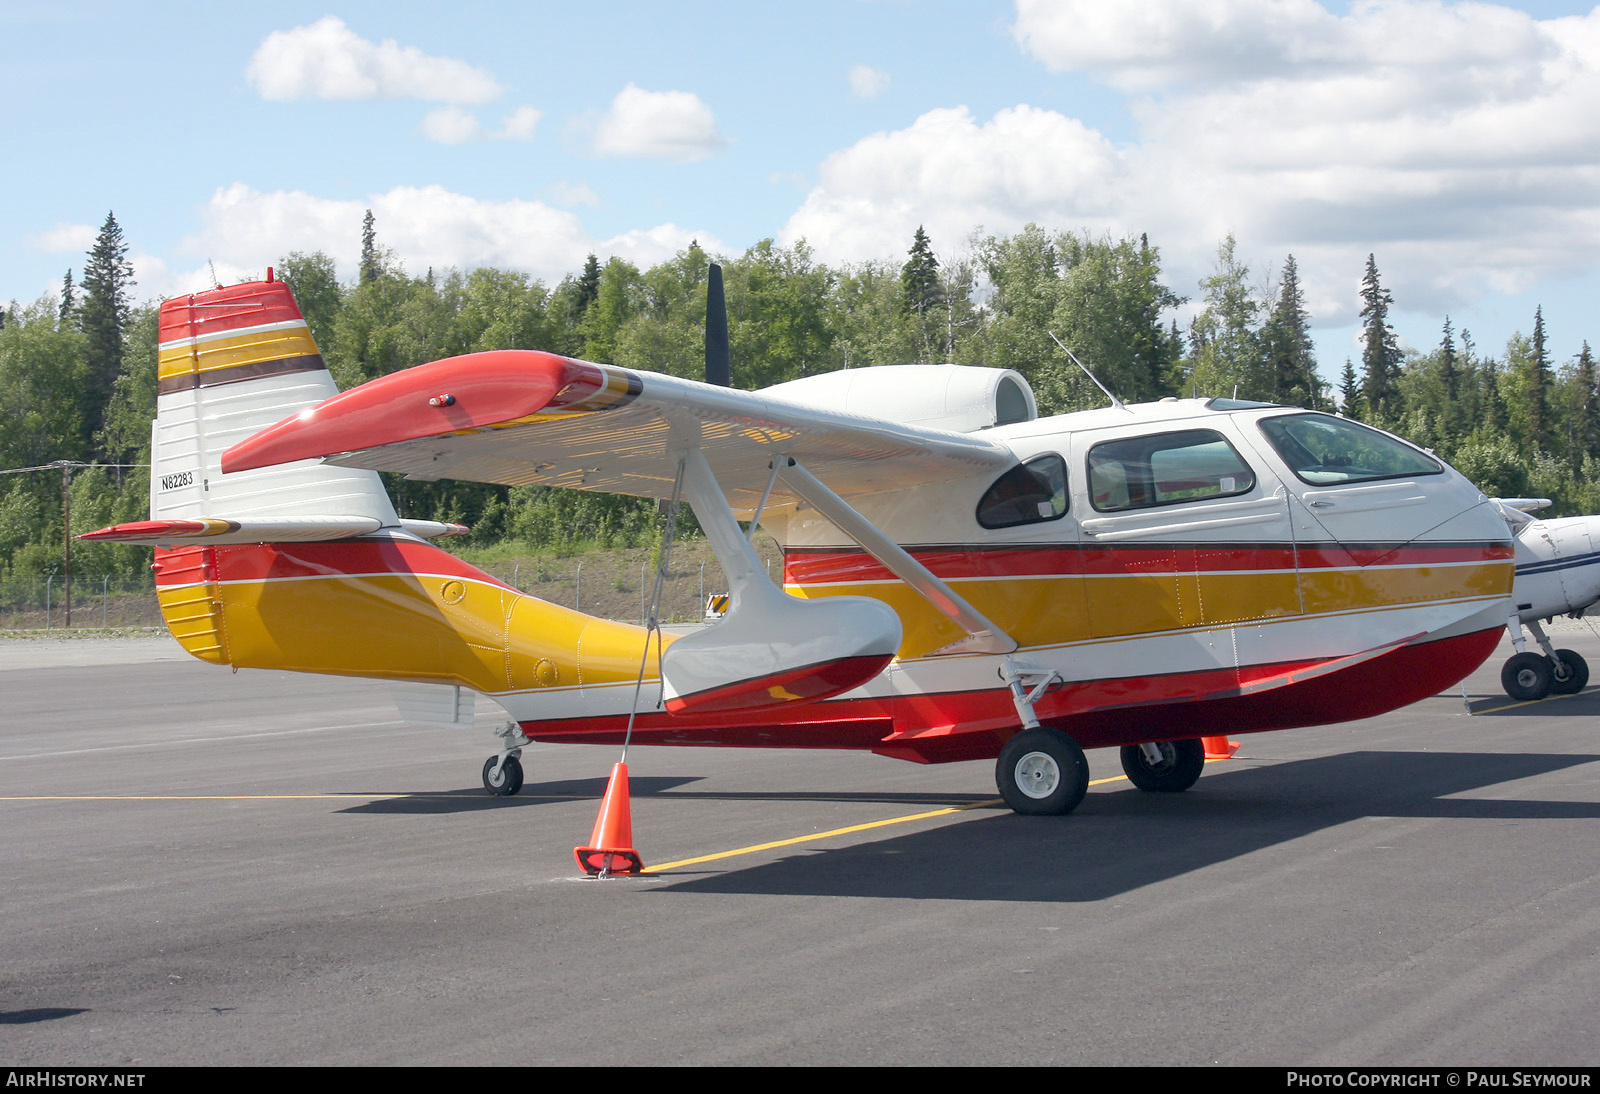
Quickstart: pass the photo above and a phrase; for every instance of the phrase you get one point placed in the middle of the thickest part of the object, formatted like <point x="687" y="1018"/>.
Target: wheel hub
<point x="1038" y="775"/>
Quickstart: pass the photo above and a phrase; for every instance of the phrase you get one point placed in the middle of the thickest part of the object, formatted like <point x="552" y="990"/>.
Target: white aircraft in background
<point x="1558" y="573"/>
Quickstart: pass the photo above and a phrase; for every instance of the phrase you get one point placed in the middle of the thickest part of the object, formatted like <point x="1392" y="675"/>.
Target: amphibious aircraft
<point x="962" y="578"/>
<point x="1558" y="573"/>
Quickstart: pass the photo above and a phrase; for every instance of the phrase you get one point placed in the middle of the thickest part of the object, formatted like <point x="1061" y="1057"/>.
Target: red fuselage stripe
<point x="265" y="562"/>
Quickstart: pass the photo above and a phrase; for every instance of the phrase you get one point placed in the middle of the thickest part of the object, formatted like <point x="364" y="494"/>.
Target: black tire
<point x="1042" y="772"/>
<point x="509" y="780"/>
<point x="1574" y="678"/>
<point x="1178" y="770"/>
<point x="1526" y="676"/>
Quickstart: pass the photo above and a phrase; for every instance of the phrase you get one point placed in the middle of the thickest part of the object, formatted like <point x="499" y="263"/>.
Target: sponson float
<point x="962" y="579"/>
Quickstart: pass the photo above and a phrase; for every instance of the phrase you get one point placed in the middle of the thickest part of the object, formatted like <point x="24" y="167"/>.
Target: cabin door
<point x="1181" y="531"/>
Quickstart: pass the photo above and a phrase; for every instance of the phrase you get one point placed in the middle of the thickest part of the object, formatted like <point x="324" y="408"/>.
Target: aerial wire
<point x="653" y="620"/>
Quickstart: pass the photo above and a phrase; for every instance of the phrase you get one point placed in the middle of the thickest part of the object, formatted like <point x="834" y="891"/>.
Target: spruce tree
<point x="919" y="277"/>
<point x="69" y="298"/>
<point x="588" y="288"/>
<point x="1380" y="353"/>
<point x="1586" y="431"/>
<point x="103" y="317"/>
<point x="1451" y="413"/>
<point x="1349" y="391"/>
<point x="1286" y="339"/>
<point x="371" y="266"/>
<point x="1537" y="386"/>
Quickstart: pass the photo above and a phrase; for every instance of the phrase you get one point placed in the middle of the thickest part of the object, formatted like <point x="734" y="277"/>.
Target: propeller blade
<point x="719" y="363"/>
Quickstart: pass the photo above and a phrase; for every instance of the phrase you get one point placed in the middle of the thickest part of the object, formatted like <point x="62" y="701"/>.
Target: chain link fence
<point x="45" y="603"/>
<point x="618" y="584"/>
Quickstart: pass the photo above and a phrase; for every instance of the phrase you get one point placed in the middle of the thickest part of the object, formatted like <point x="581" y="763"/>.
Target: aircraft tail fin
<point x="231" y="362"/>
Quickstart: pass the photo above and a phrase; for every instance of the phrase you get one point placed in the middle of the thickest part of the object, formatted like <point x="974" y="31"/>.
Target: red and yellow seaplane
<point x="962" y="578"/>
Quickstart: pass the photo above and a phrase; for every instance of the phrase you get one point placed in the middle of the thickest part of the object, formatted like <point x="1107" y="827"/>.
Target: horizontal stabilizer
<point x="216" y="530"/>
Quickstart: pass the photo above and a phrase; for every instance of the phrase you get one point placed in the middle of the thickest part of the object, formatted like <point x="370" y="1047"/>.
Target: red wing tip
<point x="144" y="529"/>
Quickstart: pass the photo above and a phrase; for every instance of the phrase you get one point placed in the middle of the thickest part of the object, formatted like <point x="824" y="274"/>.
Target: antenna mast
<point x="1116" y="402"/>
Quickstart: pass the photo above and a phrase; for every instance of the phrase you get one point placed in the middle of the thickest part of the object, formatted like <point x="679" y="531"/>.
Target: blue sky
<point x="1458" y="143"/>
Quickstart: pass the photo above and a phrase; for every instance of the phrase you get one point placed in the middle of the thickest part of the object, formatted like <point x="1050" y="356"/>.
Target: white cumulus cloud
<point x="245" y="229"/>
<point x="951" y="174"/>
<point x="65" y="238"/>
<point x="519" y="124"/>
<point x="659" y="125"/>
<point x="328" y="60"/>
<point x="867" y="82"/>
<point x="453" y="125"/>
<point x="1456" y="141"/>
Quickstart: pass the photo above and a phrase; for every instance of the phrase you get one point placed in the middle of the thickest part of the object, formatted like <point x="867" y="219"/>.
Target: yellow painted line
<point x="1529" y="702"/>
<point x="844" y="831"/>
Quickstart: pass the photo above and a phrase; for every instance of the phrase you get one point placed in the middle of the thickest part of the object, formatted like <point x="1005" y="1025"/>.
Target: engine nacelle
<point x="960" y="398"/>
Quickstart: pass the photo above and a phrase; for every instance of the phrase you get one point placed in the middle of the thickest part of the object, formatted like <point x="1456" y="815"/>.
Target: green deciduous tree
<point x="316" y="289"/>
<point x="1225" y="353"/>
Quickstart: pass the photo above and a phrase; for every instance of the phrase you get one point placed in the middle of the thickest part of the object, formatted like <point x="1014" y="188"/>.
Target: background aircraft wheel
<point x="1526" y="676"/>
<point x="508" y="782"/>
<point x="1179" y="768"/>
<point x="1042" y="772"/>
<point x="1570" y="675"/>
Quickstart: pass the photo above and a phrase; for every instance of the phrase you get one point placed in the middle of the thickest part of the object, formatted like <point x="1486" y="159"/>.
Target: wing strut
<point x="983" y="636"/>
<point x="770" y="648"/>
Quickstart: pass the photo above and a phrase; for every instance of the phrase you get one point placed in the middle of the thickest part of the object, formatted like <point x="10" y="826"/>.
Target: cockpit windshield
<point x="1323" y="450"/>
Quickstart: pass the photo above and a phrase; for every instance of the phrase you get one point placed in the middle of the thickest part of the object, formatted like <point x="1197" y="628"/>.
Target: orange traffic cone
<point x="611" y="843"/>
<point x="1219" y="748"/>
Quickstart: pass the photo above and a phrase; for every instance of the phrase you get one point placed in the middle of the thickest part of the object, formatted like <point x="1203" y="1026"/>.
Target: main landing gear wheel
<point x="505" y="782"/>
<point x="1042" y="772"/>
<point x="1527" y="676"/>
<point x="1177" y="770"/>
<point x="1569" y="673"/>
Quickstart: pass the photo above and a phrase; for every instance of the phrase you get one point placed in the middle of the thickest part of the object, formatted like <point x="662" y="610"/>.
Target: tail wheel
<point x="1570" y="673"/>
<point x="1526" y="676"/>
<point x="1177" y="770"/>
<point x="1042" y="772"/>
<point x="505" y="782"/>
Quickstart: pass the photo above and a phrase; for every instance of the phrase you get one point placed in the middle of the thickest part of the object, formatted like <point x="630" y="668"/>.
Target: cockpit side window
<point x="1326" y="451"/>
<point x="1165" y="469"/>
<point x="1029" y="493"/>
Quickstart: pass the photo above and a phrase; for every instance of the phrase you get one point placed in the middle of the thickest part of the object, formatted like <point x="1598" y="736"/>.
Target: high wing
<point x="520" y="417"/>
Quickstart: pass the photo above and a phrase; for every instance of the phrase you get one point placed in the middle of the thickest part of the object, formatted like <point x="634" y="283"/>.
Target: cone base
<point x="595" y="861"/>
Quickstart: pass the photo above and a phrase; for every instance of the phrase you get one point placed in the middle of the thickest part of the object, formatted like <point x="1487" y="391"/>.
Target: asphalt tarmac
<point x="199" y="867"/>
